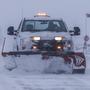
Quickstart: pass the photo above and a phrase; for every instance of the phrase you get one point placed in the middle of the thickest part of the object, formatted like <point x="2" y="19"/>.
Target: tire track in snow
<point x="62" y="82"/>
<point x="7" y="83"/>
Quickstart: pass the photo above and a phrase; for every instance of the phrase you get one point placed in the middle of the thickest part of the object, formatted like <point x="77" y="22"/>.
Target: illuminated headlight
<point x="35" y="38"/>
<point x="58" y="38"/>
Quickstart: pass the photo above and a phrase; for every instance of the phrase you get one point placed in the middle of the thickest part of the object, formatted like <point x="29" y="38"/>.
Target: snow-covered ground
<point x="22" y="79"/>
<point x="44" y="82"/>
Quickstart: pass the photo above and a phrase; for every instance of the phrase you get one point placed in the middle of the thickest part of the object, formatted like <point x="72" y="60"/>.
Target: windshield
<point x="44" y="25"/>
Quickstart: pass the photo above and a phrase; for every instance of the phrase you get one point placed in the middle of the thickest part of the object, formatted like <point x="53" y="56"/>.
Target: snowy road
<point x="45" y="82"/>
<point x="9" y="81"/>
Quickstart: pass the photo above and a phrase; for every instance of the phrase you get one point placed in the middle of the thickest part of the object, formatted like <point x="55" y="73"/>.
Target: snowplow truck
<point x="48" y="37"/>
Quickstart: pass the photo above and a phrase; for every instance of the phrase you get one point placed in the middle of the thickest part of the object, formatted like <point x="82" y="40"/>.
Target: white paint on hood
<point x="45" y="35"/>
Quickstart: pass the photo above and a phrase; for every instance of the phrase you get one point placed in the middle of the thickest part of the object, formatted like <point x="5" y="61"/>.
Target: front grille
<point x="49" y="45"/>
<point x="52" y="45"/>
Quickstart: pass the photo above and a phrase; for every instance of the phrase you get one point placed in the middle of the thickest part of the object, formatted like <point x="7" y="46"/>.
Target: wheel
<point x="78" y="71"/>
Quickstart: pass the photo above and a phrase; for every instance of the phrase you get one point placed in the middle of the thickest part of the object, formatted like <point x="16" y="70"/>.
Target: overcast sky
<point x="72" y="11"/>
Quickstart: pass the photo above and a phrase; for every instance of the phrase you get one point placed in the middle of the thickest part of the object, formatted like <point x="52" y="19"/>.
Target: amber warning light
<point x="42" y="14"/>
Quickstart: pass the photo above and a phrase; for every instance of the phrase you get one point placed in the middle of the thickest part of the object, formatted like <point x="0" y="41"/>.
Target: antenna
<point x="22" y="13"/>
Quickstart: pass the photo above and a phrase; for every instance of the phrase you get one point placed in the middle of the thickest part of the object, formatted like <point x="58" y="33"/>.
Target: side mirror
<point x="10" y="30"/>
<point x="76" y="31"/>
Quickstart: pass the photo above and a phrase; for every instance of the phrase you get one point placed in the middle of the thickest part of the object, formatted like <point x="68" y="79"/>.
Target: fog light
<point x="58" y="47"/>
<point x="34" y="47"/>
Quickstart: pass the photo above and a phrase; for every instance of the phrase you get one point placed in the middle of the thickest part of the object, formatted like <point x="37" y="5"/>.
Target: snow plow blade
<point x="50" y="53"/>
<point x="19" y="53"/>
<point x="75" y="61"/>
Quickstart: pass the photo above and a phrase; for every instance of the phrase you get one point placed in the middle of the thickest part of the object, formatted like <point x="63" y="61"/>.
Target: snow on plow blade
<point x="60" y="62"/>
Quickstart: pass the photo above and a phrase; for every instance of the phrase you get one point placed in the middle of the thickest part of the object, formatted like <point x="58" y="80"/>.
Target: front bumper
<point x="51" y="45"/>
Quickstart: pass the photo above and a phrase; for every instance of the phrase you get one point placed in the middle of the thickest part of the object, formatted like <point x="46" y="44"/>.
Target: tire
<point x="78" y="71"/>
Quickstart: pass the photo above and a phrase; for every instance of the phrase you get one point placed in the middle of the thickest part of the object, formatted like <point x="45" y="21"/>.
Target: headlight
<point x="36" y="38"/>
<point x="58" y="38"/>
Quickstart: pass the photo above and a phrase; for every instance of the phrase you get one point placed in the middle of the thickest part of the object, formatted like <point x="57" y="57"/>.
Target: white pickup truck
<point x="46" y="36"/>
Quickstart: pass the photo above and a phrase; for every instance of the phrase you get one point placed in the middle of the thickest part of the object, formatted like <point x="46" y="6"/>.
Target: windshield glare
<point x="44" y="25"/>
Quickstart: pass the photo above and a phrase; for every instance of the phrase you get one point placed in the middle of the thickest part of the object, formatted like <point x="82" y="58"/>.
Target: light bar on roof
<point x="42" y="14"/>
